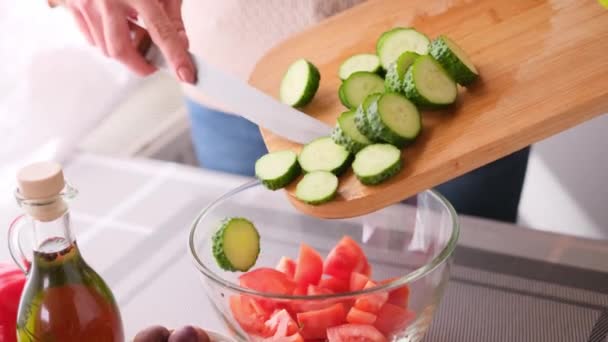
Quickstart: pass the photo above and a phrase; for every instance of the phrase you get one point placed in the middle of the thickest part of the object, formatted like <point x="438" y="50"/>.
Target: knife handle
<point x="139" y="36"/>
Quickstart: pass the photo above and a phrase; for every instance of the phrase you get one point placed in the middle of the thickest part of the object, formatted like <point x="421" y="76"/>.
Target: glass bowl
<point x="408" y="245"/>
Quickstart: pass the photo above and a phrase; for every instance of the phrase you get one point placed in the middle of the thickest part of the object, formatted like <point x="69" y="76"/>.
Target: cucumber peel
<point x="428" y="84"/>
<point x="277" y="169"/>
<point x="300" y="83"/>
<point x="347" y="134"/>
<point x="236" y="244"/>
<point x="454" y="60"/>
<point x="396" y="71"/>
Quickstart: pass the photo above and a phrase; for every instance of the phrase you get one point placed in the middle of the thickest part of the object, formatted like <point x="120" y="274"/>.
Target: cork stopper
<point x="43" y="180"/>
<point x="40" y="180"/>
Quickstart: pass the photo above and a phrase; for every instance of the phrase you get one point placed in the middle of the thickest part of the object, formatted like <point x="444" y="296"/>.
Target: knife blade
<point x="250" y="103"/>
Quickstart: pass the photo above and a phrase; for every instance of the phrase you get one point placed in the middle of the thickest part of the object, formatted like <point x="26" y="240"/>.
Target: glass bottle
<point x="64" y="299"/>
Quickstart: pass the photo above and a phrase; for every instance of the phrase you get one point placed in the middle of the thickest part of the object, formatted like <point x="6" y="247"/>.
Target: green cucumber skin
<point x="383" y="131"/>
<point x="280" y="182"/>
<point x="362" y="120"/>
<point x="383" y="176"/>
<point x="218" y="246"/>
<point x="341" y="138"/>
<point x="410" y="91"/>
<point x="451" y="63"/>
<point x="311" y="87"/>
<point x="394" y="79"/>
<point x="342" y="97"/>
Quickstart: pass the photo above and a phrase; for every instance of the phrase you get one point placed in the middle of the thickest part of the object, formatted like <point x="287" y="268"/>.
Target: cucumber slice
<point x="341" y="95"/>
<point x="323" y="154"/>
<point x="347" y="134"/>
<point x="362" y="117"/>
<point x="277" y="169"/>
<point x="360" y="62"/>
<point x="358" y="85"/>
<point x="396" y="71"/>
<point x="454" y="60"/>
<point x="393" y="43"/>
<point x="236" y="244"/>
<point x="395" y="119"/>
<point x="428" y="84"/>
<point x="300" y="83"/>
<point x="376" y="163"/>
<point x="317" y="187"/>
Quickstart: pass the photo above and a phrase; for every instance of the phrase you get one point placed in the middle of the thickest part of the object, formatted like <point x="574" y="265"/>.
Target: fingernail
<point x="185" y="74"/>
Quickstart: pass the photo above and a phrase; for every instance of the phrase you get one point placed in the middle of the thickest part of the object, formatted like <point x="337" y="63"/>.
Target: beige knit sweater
<point x="234" y="34"/>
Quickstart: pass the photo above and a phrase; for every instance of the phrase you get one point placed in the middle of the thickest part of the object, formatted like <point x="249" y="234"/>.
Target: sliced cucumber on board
<point x="317" y="187"/>
<point x="236" y="244"/>
<point x="395" y="119"/>
<point x="396" y="71"/>
<point x="428" y="84"/>
<point x="362" y="117"/>
<point x="376" y="163"/>
<point x="393" y="43"/>
<point x="300" y="83"/>
<point x="454" y="60"/>
<point x="347" y="134"/>
<point x="323" y="154"/>
<point x="359" y="62"/>
<point x="357" y="86"/>
<point x="277" y="169"/>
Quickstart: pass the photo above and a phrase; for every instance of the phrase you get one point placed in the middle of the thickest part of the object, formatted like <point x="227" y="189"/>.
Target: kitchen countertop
<point x="133" y="229"/>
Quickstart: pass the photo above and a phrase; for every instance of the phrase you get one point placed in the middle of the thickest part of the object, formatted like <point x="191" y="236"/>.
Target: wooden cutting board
<point x="543" y="66"/>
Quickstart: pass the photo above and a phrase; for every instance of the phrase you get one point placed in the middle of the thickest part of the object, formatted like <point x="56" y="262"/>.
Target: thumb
<point x="165" y="35"/>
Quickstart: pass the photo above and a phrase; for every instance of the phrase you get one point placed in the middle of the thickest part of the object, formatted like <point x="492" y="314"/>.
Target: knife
<point x="240" y="97"/>
<point x="248" y="102"/>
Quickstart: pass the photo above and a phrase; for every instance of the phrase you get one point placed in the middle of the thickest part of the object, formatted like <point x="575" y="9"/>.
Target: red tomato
<point x="372" y="302"/>
<point x="367" y="269"/>
<point x="281" y="324"/>
<point x="335" y="284"/>
<point x="356" y="316"/>
<point x="287" y="266"/>
<point x="267" y="280"/>
<point x="357" y="281"/>
<point x="345" y="258"/>
<point x="392" y="318"/>
<point x="12" y="281"/>
<point x="314" y="324"/>
<point x="355" y="333"/>
<point x="399" y="296"/>
<point x="317" y="291"/>
<point x="250" y="315"/>
<point x="309" y="268"/>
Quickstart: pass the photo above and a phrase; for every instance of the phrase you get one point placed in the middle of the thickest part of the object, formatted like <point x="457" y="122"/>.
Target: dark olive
<point x="188" y="333"/>
<point x="155" y="333"/>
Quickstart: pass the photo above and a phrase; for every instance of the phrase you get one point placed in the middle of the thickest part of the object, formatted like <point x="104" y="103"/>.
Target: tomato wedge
<point x="314" y="324"/>
<point x="317" y="291"/>
<point x="356" y="316"/>
<point x="281" y="324"/>
<point x="334" y="284"/>
<point x="393" y="318"/>
<point x="357" y="281"/>
<point x="309" y="268"/>
<point x="372" y="302"/>
<point x="287" y="266"/>
<point x="399" y="296"/>
<point x="355" y="333"/>
<point x="345" y="258"/>
<point x="267" y="280"/>
<point x="250" y="315"/>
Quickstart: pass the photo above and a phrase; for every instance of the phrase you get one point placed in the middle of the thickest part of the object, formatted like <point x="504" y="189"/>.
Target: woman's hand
<point x="105" y="24"/>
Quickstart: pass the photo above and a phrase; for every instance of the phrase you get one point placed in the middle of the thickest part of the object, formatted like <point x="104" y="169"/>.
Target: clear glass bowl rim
<point x="418" y="273"/>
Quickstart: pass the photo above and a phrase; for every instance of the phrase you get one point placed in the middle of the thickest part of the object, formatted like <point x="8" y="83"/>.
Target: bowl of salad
<point x="275" y="274"/>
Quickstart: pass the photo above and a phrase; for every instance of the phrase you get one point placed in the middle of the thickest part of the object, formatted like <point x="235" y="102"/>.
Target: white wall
<point x="566" y="187"/>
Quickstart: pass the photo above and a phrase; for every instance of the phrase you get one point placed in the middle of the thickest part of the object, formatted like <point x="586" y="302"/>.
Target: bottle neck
<point x="53" y="235"/>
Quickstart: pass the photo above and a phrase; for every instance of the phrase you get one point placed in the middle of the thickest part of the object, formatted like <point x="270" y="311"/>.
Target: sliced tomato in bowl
<point x="287" y="266"/>
<point x="355" y="332"/>
<point x="372" y="302"/>
<point x="346" y="257"/>
<point x="309" y="267"/>
<point x="393" y="318"/>
<point x="358" y="281"/>
<point x="250" y="315"/>
<point x="399" y="296"/>
<point x="334" y="284"/>
<point x="356" y="316"/>
<point x="314" y="324"/>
